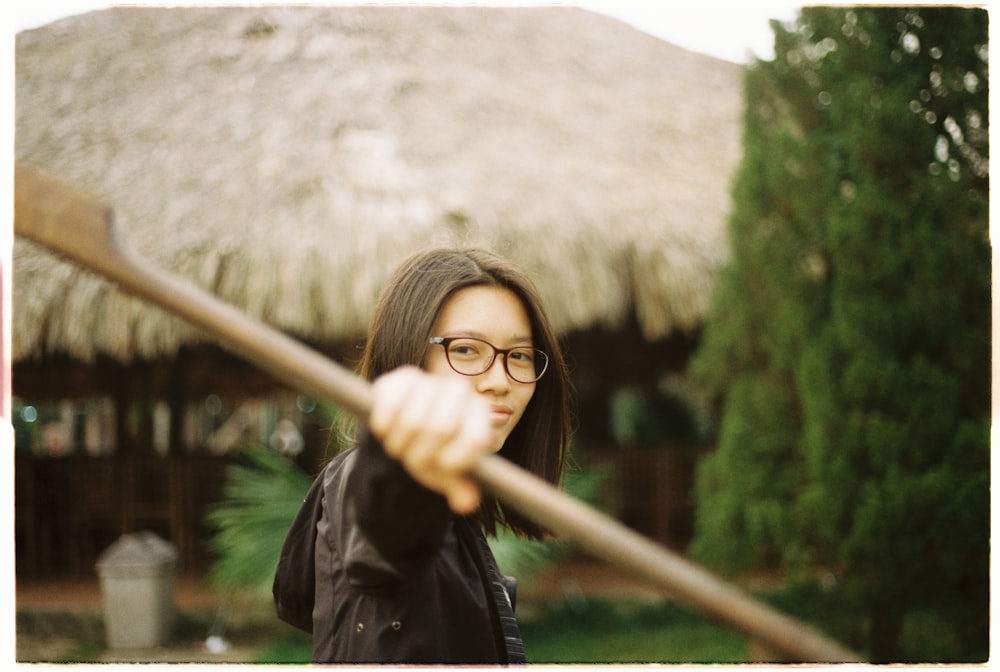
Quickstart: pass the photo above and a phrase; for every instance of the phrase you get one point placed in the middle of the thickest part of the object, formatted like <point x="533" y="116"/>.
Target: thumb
<point x="463" y="497"/>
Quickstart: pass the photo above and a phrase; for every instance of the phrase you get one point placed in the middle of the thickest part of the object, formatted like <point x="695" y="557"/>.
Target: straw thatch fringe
<point x="287" y="158"/>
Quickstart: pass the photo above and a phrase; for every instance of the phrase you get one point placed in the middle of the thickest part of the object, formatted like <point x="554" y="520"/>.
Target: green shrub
<point x="260" y="499"/>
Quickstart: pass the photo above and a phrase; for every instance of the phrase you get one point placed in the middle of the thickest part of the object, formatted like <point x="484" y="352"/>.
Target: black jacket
<point x="379" y="570"/>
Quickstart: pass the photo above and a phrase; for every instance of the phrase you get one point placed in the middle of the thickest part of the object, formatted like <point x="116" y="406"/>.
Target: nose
<point x="495" y="378"/>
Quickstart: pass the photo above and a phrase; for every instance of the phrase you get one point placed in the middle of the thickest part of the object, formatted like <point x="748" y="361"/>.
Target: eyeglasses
<point x="473" y="356"/>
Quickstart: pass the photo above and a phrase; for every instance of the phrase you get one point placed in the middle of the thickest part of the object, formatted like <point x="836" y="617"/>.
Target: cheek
<point x="525" y="399"/>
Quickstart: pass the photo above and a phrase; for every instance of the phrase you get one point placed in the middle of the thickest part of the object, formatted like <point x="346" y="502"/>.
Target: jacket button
<point x="360" y="627"/>
<point x="396" y="625"/>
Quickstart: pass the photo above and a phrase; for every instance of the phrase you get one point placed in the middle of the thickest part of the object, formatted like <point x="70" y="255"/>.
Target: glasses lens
<point x="526" y="365"/>
<point x="469" y="356"/>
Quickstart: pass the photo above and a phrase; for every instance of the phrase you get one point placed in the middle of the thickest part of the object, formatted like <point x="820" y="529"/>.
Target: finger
<point x="386" y="400"/>
<point x="464" y="497"/>
<point x="393" y="394"/>
<point x="433" y="422"/>
<point x="473" y="439"/>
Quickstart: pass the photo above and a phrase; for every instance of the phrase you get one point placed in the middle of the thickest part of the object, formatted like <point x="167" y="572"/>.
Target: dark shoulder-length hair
<point x="406" y="312"/>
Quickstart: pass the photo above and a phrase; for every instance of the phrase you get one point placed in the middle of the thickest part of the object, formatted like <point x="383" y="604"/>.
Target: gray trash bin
<point x="137" y="584"/>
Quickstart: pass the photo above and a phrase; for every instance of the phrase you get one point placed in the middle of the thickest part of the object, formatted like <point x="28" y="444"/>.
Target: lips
<point x="500" y="414"/>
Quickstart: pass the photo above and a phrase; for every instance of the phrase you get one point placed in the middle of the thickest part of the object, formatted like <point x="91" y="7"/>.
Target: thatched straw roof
<point x="288" y="158"/>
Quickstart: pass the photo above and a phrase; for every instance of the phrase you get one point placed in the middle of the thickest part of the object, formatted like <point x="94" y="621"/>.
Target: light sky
<point x="729" y="30"/>
<point x="732" y="30"/>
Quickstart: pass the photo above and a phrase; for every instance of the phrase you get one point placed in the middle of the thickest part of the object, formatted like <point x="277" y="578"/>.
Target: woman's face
<point x="497" y="316"/>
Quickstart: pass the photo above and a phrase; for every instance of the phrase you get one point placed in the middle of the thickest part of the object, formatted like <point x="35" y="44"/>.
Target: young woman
<point x="387" y="559"/>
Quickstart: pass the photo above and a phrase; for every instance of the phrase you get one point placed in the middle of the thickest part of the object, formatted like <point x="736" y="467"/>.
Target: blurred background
<point x="771" y="277"/>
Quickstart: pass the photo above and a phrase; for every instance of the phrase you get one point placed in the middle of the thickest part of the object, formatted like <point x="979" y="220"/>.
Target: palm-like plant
<point x="260" y="499"/>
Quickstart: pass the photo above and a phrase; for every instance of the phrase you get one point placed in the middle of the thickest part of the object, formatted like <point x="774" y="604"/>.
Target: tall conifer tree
<point x="849" y="341"/>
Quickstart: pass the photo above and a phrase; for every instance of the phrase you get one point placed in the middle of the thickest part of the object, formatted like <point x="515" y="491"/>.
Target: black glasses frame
<point x="446" y="342"/>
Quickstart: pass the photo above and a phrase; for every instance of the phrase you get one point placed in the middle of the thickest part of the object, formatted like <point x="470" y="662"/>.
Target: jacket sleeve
<point x="294" y="586"/>
<point x="390" y="525"/>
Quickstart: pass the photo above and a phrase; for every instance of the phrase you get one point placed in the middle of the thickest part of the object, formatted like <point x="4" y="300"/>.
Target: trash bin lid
<point x="139" y="549"/>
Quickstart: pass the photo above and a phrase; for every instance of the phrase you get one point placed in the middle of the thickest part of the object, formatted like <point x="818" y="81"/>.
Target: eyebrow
<point x="469" y="333"/>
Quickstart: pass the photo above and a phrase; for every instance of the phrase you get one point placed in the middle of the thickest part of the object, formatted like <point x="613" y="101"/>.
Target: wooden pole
<point x="81" y="228"/>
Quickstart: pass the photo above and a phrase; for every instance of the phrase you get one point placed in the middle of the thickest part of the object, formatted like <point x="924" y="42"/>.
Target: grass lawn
<point x="294" y="648"/>
<point x="595" y="631"/>
<point x="577" y="629"/>
<point x="606" y="631"/>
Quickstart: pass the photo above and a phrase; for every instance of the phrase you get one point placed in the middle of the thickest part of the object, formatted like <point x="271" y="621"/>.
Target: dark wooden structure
<point x="69" y="509"/>
<point x="650" y="489"/>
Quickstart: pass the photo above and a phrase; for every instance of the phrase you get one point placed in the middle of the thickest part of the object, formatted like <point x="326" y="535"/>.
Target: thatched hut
<point x="286" y="158"/>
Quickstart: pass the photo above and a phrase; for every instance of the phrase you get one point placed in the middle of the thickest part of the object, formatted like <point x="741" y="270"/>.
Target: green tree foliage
<point x="849" y="341"/>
